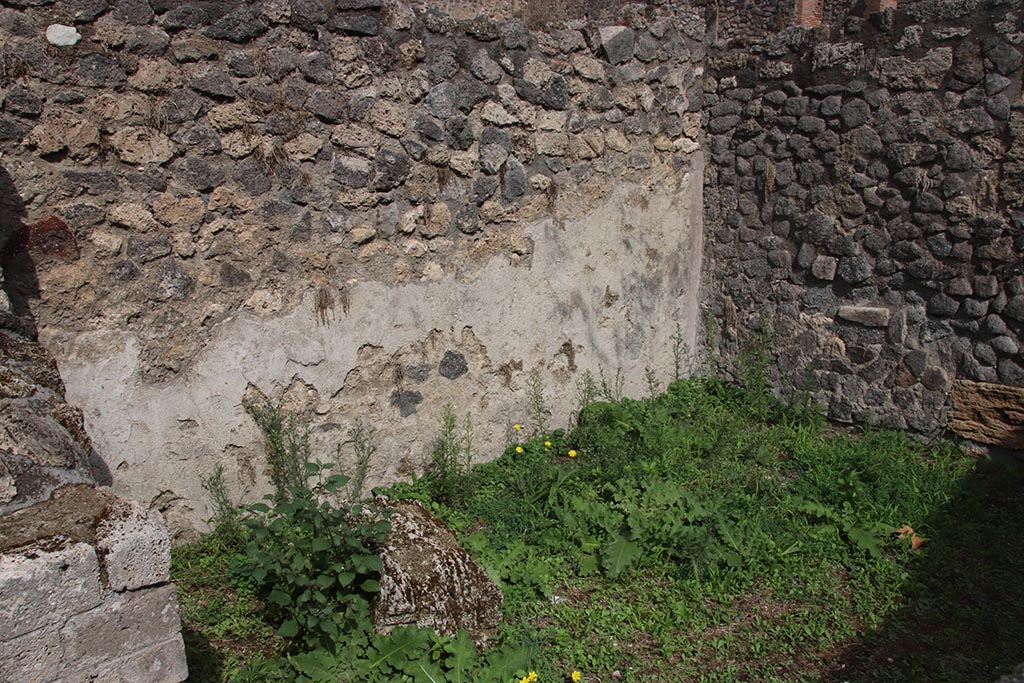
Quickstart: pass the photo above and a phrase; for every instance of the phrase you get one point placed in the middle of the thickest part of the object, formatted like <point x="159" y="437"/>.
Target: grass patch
<point x="708" y="534"/>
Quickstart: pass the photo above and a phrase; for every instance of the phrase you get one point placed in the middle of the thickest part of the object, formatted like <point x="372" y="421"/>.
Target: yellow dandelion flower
<point x="572" y="454"/>
<point x="519" y="449"/>
<point x="547" y="444"/>
<point x="532" y="676"/>
<point x="576" y="675"/>
<point x="517" y="427"/>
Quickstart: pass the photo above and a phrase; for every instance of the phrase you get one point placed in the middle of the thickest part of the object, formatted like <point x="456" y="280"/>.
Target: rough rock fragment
<point x="989" y="413"/>
<point x="430" y="581"/>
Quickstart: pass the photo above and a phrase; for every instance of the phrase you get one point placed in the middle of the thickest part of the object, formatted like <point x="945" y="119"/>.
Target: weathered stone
<point x="453" y="365"/>
<point x="141" y="146"/>
<point x="406" y="402"/>
<point x="172" y="282"/>
<point x="907" y="74"/>
<point x="135" y="548"/>
<point x="618" y="43"/>
<point x="485" y="68"/>
<point x="844" y="56"/>
<point x="390" y="169"/>
<point x="869" y="316"/>
<point x="989" y="413"/>
<point x="513" y="182"/>
<point x="214" y="83"/>
<point x="429" y="581"/>
<point x="355" y="24"/>
<point x="240" y="26"/>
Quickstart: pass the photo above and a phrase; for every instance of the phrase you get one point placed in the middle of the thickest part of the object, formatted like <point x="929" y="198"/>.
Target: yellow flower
<point x="519" y="449"/>
<point x="517" y="427"/>
<point x="572" y="454"/>
<point x="532" y="676"/>
<point x="576" y="675"/>
<point x="547" y="444"/>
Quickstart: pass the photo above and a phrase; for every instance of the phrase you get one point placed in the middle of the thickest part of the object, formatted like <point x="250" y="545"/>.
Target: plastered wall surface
<point x="359" y="208"/>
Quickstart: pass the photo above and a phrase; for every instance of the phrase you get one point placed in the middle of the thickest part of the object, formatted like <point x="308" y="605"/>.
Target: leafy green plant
<point x="586" y="392"/>
<point x="539" y="411"/>
<point x="315" y="564"/>
<point x="286" y="438"/>
<point x="227" y="517"/>
<point x="448" y="477"/>
<point x="362" y="443"/>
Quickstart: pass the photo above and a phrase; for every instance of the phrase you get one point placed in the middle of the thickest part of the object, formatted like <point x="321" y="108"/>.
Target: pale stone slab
<point x="39" y="588"/>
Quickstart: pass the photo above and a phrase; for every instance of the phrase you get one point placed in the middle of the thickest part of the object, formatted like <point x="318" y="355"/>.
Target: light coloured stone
<point x="107" y="243"/>
<point x="537" y="72"/>
<point x="358" y="138"/>
<point x="439" y="220"/>
<point x="141" y="146"/>
<point x="493" y="112"/>
<point x="388" y="118"/>
<point x="362" y="233"/>
<point x="47" y="587"/>
<point x="8" y="489"/>
<point x="433" y="272"/>
<point x="988" y="413"/>
<point x="685" y="145"/>
<point x="303" y="147"/>
<point x="869" y="316"/>
<point x="551" y="120"/>
<point x="908" y="74"/>
<point x="239" y="144"/>
<point x="180" y="211"/>
<point x="156" y="75"/>
<point x="587" y="145"/>
<point x="230" y="116"/>
<point x="691" y="125"/>
<point x="133" y="216"/>
<point x="64" y="130"/>
<point x="464" y="163"/>
<point x="552" y="144"/>
<point x="616" y="141"/>
<point x="411" y="220"/>
<point x="62" y="36"/>
<point x="588" y="68"/>
<point x="123" y="623"/>
<point x="540" y="182"/>
<point x="824" y="267"/>
<point x="134" y="548"/>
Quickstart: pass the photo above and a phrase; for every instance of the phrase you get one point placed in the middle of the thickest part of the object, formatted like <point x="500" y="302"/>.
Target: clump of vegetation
<point x="448" y="477"/>
<point x="314" y="563"/>
<point x="706" y="533"/>
<point x="286" y="440"/>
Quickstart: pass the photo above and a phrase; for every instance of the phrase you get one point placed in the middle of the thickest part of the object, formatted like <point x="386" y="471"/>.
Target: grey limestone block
<point x="134" y="547"/>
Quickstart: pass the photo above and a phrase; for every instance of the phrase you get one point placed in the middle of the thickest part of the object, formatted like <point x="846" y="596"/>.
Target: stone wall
<point x="866" y="201"/>
<point x="84" y="593"/>
<point x="359" y="209"/>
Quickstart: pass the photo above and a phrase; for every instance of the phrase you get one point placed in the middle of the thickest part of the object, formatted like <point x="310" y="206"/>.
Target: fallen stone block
<point x="988" y="413"/>
<point x="430" y="581"/>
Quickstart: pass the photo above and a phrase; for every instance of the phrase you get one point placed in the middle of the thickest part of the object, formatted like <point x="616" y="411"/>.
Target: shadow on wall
<point x="18" y="275"/>
<point x="964" y="614"/>
<point x="19" y="271"/>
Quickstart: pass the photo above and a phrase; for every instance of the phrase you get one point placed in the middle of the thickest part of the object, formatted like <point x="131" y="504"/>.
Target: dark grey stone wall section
<point x="866" y="200"/>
